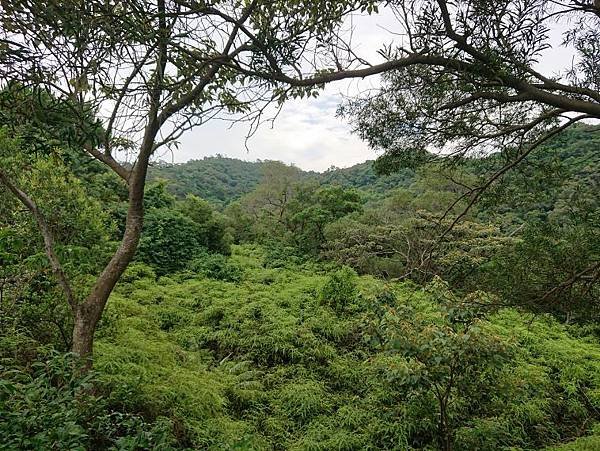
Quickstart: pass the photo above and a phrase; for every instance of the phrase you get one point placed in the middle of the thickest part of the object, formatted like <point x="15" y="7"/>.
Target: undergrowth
<point x="293" y="357"/>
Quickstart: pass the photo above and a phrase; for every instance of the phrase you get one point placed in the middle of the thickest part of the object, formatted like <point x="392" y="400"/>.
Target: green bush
<point x="269" y="366"/>
<point x="340" y="289"/>
<point x="278" y="255"/>
<point x="52" y="406"/>
<point x="137" y="271"/>
<point x="583" y="444"/>
<point x="218" y="267"/>
<point x="169" y="240"/>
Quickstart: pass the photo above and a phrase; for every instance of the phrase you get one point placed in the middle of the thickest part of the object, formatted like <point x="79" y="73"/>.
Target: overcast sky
<point x="307" y="132"/>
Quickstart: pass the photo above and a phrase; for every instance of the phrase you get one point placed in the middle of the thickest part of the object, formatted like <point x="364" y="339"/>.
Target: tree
<point x="150" y="71"/>
<point x="449" y="356"/>
<point x="169" y="240"/>
<point x="291" y="208"/>
<point x="397" y="237"/>
<point x="313" y="209"/>
<point x="270" y="200"/>
<point x="548" y="270"/>
<point x="465" y="80"/>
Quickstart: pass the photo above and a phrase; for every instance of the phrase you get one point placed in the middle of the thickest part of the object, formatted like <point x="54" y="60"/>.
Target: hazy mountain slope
<point x="222" y="180"/>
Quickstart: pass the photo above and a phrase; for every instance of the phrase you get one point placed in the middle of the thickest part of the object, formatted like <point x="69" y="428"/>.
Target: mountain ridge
<point x="222" y="180"/>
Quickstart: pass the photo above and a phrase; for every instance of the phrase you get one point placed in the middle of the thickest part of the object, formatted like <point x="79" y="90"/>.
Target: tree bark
<point x="83" y="337"/>
<point x="445" y="437"/>
<point x="88" y="313"/>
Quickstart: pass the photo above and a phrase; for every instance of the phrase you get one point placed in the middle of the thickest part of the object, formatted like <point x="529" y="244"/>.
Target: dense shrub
<point x="136" y="271"/>
<point x="340" y="288"/>
<point x="169" y="241"/>
<point x="52" y="405"/>
<point x="177" y="232"/>
<point x="258" y="365"/>
<point x="279" y="255"/>
<point x="216" y="266"/>
<point x="312" y="360"/>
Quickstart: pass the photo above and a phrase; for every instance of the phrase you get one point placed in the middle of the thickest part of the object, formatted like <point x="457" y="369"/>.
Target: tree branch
<point x="477" y="192"/>
<point x="57" y="268"/>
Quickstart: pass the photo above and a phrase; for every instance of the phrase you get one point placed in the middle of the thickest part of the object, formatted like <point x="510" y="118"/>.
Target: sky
<point x="307" y="132"/>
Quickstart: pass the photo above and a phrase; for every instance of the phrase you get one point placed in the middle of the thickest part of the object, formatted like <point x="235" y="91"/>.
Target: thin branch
<point x="57" y="268"/>
<point x="477" y="192"/>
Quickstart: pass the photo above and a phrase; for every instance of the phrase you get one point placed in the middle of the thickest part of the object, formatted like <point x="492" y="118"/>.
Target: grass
<point x="265" y="363"/>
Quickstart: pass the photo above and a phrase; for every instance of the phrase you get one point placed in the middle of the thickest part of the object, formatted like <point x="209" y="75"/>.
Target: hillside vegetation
<point x="217" y="179"/>
<point x="306" y="357"/>
<point x="222" y="180"/>
<point x="272" y="309"/>
<point x="302" y="357"/>
<point x="445" y="296"/>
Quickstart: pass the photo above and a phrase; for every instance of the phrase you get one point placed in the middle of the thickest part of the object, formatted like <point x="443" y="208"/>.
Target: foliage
<point x="287" y="208"/>
<point x="138" y="271"/>
<point x="340" y="289"/>
<point x="310" y="212"/>
<point x="176" y="232"/>
<point x="264" y="364"/>
<point x="278" y="254"/>
<point x="399" y="236"/>
<point x="560" y="252"/>
<point x="32" y="302"/>
<point x="216" y="266"/>
<point x="218" y="179"/>
<point x="460" y="88"/>
<point x="223" y="181"/>
<point x="363" y="176"/>
<point x="157" y="196"/>
<point x="172" y="73"/>
<point x="51" y="405"/>
<point x="276" y="346"/>
<point x="169" y="241"/>
<point x="445" y="358"/>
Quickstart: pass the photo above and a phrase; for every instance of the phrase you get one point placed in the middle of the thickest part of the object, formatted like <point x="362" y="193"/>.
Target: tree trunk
<point x="87" y="314"/>
<point x="83" y="337"/>
<point x="444" y="433"/>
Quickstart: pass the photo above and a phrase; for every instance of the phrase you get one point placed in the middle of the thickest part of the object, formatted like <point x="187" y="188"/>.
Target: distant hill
<point x="222" y="180"/>
<point x="363" y="176"/>
<point x="217" y="179"/>
<point x="561" y="176"/>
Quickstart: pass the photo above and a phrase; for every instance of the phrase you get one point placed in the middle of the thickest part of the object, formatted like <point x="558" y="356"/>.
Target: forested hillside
<point x="217" y="179"/>
<point x="222" y="180"/>
<point x="445" y="296"/>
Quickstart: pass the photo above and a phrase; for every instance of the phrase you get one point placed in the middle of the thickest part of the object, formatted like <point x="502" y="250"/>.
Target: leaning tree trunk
<point x="87" y="314"/>
<point x="83" y="335"/>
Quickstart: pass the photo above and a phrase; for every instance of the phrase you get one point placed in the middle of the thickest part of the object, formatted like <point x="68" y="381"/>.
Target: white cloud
<point x="307" y="133"/>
